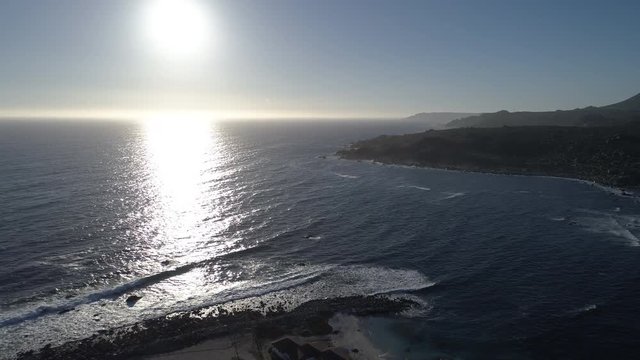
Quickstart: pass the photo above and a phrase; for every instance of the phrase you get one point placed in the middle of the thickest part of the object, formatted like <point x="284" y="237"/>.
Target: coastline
<point x="159" y="338"/>
<point x="608" y="156"/>
<point x="630" y="191"/>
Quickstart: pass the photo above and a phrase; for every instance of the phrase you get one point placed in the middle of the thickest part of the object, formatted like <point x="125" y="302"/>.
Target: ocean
<point x="189" y="214"/>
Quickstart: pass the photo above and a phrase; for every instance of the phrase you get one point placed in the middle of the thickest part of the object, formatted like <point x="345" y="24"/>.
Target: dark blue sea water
<point x="188" y="214"/>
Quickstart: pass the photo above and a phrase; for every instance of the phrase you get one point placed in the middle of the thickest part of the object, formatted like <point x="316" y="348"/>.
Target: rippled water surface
<point x="188" y="214"/>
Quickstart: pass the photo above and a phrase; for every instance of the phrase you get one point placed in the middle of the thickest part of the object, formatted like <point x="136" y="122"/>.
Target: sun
<point x="177" y="28"/>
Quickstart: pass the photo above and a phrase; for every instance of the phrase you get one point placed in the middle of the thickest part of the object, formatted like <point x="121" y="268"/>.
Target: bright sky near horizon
<point x="323" y="58"/>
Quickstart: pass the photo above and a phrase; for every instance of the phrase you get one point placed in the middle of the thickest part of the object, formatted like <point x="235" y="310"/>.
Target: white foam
<point x="609" y="189"/>
<point x="373" y="280"/>
<point x="611" y="224"/>
<point x="332" y="282"/>
<point x="451" y="195"/>
<point x="353" y="280"/>
<point x="415" y="187"/>
<point x="588" y="308"/>
<point x="584" y="309"/>
<point x="289" y="286"/>
<point x="347" y="176"/>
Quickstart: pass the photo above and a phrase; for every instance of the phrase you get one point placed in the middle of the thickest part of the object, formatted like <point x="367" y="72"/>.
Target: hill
<point x="618" y="114"/>
<point x="607" y="155"/>
<point x="631" y="104"/>
<point x="436" y="120"/>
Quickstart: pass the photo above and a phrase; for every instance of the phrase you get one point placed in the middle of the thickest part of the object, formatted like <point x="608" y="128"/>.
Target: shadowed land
<point x="606" y="155"/>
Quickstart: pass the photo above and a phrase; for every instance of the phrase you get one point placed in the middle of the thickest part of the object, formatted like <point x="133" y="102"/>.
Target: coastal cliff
<point x="606" y="155"/>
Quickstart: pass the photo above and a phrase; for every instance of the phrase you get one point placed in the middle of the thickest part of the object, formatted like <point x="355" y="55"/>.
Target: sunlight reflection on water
<point x="183" y="157"/>
<point x="177" y="154"/>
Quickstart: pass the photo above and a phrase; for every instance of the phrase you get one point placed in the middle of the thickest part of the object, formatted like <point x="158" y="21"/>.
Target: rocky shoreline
<point x="180" y="330"/>
<point x="607" y="156"/>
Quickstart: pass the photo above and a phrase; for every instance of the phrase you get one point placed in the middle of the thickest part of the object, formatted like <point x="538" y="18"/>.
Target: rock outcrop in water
<point x="607" y="155"/>
<point x="133" y="299"/>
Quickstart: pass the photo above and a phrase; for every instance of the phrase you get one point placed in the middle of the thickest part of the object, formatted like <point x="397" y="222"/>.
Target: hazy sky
<point x="320" y="58"/>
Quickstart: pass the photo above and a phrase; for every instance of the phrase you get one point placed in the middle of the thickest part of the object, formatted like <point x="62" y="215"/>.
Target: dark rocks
<point x="133" y="299"/>
<point x="319" y="325"/>
<point x="63" y="311"/>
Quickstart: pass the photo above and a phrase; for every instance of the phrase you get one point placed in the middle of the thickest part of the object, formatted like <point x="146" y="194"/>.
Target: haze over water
<point x="239" y="213"/>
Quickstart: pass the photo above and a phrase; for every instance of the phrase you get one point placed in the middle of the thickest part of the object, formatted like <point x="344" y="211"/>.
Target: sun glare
<point x="177" y="28"/>
<point x="179" y="152"/>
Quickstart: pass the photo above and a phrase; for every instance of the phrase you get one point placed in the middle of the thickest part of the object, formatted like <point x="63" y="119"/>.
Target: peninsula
<point x="600" y="144"/>
<point x="606" y="155"/>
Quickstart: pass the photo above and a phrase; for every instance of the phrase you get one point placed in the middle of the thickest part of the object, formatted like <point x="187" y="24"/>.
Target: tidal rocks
<point x="133" y="299"/>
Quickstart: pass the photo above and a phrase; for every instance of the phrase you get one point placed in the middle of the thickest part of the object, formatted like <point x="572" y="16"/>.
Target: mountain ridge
<point x="620" y="113"/>
<point x="630" y="104"/>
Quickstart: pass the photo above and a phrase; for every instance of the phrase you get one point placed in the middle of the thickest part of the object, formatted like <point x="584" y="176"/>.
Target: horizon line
<point x="135" y="114"/>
